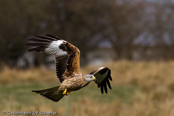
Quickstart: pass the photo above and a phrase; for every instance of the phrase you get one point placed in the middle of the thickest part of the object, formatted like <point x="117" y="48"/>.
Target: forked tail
<point x="52" y="93"/>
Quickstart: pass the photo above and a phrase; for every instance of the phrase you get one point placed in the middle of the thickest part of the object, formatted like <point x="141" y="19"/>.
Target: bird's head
<point x="90" y="78"/>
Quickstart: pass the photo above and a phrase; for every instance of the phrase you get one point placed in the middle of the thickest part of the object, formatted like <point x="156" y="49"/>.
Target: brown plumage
<point x="68" y="72"/>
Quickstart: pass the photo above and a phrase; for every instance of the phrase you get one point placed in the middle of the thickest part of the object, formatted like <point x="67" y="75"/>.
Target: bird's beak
<point x="93" y="78"/>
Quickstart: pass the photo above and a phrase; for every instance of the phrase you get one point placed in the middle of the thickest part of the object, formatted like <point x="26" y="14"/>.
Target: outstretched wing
<point x="102" y="75"/>
<point x="67" y="55"/>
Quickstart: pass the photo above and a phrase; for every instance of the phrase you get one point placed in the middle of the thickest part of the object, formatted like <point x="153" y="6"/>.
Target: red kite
<point x="67" y="58"/>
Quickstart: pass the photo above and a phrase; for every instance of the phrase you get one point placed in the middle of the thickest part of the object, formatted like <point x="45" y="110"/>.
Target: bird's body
<point x="73" y="84"/>
<point x="68" y="72"/>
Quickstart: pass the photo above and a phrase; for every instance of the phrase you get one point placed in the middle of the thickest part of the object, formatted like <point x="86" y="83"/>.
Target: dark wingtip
<point x="49" y="35"/>
<point x="105" y="88"/>
<point x="110" y="77"/>
<point x="101" y="88"/>
<point x="108" y="83"/>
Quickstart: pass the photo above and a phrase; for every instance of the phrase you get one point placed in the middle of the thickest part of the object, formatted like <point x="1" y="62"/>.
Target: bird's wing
<point x="102" y="75"/>
<point x="67" y="55"/>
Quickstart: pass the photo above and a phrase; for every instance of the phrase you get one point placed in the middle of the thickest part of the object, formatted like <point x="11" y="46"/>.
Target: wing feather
<point x="61" y="62"/>
<point x="101" y="88"/>
<point x="102" y="75"/>
<point x="67" y="55"/>
<point x="108" y="83"/>
<point x="105" y="87"/>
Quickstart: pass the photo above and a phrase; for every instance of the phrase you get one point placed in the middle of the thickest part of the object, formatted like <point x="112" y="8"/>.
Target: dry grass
<point x="154" y="95"/>
<point x="32" y="75"/>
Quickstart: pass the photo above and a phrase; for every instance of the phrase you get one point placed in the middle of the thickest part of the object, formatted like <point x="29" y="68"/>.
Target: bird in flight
<point x="67" y="59"/>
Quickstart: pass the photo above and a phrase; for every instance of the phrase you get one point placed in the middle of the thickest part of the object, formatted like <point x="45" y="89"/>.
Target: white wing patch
<point x="54" y="49"/>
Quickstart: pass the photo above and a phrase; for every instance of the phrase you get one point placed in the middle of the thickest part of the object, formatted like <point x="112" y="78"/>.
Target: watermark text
<point x="8" y="113"/>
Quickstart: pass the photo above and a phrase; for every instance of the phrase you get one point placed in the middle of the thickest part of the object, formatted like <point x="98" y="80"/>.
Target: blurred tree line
<point x="128" y="26"/>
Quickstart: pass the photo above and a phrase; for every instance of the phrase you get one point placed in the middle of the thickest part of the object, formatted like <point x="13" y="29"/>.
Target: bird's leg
<point x="65" y="92"/>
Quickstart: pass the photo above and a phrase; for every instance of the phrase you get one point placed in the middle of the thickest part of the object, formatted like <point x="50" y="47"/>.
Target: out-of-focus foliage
<point x="19" y="19"/>
<point x="126" y="25"/>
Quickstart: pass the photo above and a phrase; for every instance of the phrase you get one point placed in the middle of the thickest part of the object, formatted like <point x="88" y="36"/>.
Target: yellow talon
<point x="65" y="92"/>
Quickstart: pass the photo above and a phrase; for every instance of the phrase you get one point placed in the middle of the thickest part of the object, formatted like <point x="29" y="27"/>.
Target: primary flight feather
<point x="67" y="58"/>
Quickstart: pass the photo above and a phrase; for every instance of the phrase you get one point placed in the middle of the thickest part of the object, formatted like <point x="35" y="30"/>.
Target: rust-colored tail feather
<point x="52" y="93"/>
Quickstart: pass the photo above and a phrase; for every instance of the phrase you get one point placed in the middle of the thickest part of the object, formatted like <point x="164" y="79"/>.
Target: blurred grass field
<point x="138" y="88"/>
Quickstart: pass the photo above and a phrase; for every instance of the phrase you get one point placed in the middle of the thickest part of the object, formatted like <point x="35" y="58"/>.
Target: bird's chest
<point x="73" y="84"/>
